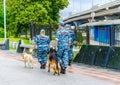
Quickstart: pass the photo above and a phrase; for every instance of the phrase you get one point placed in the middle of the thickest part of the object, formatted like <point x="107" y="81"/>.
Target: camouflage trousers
<point x="42" y="54"/>
<point x="62" y="54"/>
<point x="42" y="57"/>
<point x="70" y="53"/>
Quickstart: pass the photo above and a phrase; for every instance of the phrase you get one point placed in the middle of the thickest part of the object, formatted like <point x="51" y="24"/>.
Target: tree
<point x="22" y="11"/>
<point x="43" y="12"/>
<point x="1" y="14"/>
<point x="54" y="7"/>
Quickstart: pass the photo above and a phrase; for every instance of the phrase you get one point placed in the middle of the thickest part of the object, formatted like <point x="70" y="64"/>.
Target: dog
<point x="28" y="60"/>
<point x="53" y="60"/>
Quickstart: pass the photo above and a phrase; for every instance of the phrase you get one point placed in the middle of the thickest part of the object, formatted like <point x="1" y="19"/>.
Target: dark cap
<point x="61" y="23"/>
<point x="42" y="30"/>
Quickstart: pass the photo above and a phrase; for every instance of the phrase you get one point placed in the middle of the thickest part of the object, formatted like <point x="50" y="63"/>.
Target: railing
<point x="106" y="35"/>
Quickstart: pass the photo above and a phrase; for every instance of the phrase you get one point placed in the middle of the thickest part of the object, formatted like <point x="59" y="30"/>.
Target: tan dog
<point x="53" y="60"/>
<point x="28" y="60"/>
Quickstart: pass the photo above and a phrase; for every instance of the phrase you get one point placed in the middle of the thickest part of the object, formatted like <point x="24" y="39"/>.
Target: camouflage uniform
<point x="42" y="42"/>
<point x="63" y="38"/>
<point x="70" y="52"/>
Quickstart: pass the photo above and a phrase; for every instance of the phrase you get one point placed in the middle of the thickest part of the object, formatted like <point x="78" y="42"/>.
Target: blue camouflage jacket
<point x="63" y="37"/>
<point x="42" y="42"/>
<point x="72" y="35"/>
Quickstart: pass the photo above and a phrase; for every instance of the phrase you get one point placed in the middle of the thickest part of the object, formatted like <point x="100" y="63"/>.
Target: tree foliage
<point x="42" y="12"/>
<point x="53" y="7"/>
<point x="2" y="18"/>
<point x="1" y="15"/>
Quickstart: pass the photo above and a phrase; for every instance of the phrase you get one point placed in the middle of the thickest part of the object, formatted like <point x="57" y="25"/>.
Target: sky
<point x="76" y="6"/>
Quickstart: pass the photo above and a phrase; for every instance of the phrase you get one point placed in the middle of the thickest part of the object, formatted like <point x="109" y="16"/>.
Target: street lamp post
<point x="4" y="19"/>
<point x="92" y="13"/>
<point x="92" y="3"/>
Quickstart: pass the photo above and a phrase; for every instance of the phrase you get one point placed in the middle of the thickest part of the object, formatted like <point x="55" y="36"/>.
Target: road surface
<point x="12" y="72"/>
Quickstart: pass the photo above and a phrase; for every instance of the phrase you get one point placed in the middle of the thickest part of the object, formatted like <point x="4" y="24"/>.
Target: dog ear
<point x="48" y="52"/>
<point x="51" y="49"/>
<point x="54" y="50"/>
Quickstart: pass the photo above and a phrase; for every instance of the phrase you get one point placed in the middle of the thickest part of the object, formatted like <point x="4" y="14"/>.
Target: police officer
<point x="63" y="45"/>
<point x="42" y="41"/>
<point x="72" y="35"/>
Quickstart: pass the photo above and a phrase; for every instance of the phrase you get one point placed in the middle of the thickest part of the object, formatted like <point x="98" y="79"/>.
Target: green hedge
<point x="80" y="55"/>
<point x="105" y="56"/>
<point x="114" y="59"/>
<point x="102" y="56"/>
<point x="90" y="55"/>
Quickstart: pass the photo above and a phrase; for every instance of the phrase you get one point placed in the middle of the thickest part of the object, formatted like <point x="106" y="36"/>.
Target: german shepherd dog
<point x="53" y="60"/>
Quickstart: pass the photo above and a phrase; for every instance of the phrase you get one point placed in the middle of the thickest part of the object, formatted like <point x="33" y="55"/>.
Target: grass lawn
<point x="16" y="40"/>
<point x="74" y="55"/>
<point x="26" y="41"/>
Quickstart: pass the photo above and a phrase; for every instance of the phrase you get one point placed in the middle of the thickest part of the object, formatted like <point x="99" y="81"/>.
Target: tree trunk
<point x="26" y="34"/>
<point x="50" y="30"/>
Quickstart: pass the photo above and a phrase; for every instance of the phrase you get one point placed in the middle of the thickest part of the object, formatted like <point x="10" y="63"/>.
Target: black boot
<point x="69" y="63"/>
<point x="43" y="66"/>
<point x="61" y="69"/>
<point x="64" y="71"/>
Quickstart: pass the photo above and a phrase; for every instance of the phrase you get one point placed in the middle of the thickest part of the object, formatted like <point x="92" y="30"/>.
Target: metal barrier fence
<point x="117" y="35"/>
<point x="108" y="35"/>
<point x="101" y="46"/>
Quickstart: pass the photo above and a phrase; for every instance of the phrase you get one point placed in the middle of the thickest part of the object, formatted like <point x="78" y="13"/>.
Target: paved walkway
<point x="12" y="72"/>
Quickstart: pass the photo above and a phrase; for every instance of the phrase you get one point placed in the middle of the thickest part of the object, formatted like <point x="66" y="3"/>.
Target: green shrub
<point x="79" y="39"/>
